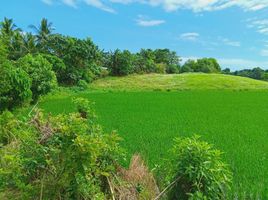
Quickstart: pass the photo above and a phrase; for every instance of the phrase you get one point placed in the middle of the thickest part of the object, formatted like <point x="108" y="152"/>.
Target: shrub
<point x="104" y="73"/>
<point x="40" y="71"/>
<point x="14" y="86"/>
<point x="61" y="157"/>
<point x="186" y="68"/>
<point x="199" y="170"/>
<point x="172" y="69"/>
<point x="58" y="66"/>
<point x="82" y="84"/>
<point x="161" y="68"/>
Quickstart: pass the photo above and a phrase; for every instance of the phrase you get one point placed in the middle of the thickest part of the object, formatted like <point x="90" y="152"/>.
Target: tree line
<point x="255" y="73"/>
<point x="33" y="63"/>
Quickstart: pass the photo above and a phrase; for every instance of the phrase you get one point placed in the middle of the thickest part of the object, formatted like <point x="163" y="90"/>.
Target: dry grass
<point x="136" y="182"/>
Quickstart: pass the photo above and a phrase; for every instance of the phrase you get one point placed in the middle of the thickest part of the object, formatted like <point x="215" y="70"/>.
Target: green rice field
<point x="236" y="122"/>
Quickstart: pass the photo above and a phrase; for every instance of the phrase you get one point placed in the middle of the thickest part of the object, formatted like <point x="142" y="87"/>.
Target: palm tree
<point x="16" y="46"/>
<point x="43" y="30"/>
<point x="29" y="44"/>
<point x="8" y="27"/>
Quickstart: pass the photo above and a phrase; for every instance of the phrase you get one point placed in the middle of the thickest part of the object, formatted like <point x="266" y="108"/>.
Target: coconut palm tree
<point x="43" y="30"/>
<point x="8" y="27"/>
<point x="29" y="43"/>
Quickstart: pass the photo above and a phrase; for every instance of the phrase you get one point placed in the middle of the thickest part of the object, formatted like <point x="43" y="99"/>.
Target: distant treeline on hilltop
<point x="32" y="64"/>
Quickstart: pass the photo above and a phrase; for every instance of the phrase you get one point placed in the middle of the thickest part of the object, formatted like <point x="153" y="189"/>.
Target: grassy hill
<point x="187" y="81"/>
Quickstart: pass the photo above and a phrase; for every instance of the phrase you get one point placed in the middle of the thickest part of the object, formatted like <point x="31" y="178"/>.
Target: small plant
<point x="84" y="107"/>
<point x="82" y="84"/>
<point x="199" y="171"/>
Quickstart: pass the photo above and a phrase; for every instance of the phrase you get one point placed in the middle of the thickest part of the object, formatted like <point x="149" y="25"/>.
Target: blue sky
<point x="233" y="31"/>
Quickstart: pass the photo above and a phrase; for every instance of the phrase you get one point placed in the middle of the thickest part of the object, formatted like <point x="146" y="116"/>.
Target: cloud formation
<point x="189" y="36"/>
<point x="100" y="5"/>
<point x="229" y="42"/>
<point x="144" y="21"/>
<point x="261" y="25"/>
<point x="173" y="5"/>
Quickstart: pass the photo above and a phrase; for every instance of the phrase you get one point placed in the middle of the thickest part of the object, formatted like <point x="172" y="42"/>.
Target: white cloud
<point x="189" y="36"/>
<point x="100" y="5"/>
<point x="201" y="5"/>
<point x="144" y="21"/>
<point x="74" y="3"/>
<point x="261" y="25"/>
<point x="228" y="42"/>
<point x="173" y="5"/>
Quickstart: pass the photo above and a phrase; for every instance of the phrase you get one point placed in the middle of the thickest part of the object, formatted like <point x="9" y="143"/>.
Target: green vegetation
<point x="14" y="87"/>
<point x="40" y="72"/>
<point x="235" y="121"/>
<point x="255" y="73"/>
<point x="187" y="81"/>
<point x="67" y="155"/>
<point x="199" y="171"/>
<point x="62" y="157"/>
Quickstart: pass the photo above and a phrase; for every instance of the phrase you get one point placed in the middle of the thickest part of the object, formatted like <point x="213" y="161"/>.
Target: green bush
<point x="81" y="57"/>
<point x="161" y="68"/>
<point x="172" y="69"/>
<point x="199" y="171"/>
<point x="58" y="66"/>
<point x="82" y="84"/>
<point x="40" y="71"/>
<point x="14" y="86"/>
<point x="186" y="69"/>
<point x="61" y="157"/>
<point x="121" y="63"/>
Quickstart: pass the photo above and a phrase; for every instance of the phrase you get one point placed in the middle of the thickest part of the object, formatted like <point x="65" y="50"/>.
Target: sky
<point x="233" y="31"/>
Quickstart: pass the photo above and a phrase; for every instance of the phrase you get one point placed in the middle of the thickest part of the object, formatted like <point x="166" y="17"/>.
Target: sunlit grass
<point x="187" y="81"/>
<point x="235" y="121"/>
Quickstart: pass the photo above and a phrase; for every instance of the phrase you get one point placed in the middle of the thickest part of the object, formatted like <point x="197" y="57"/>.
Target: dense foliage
<point x="15" y="86"/>
<point x="205" y="65"/>
<point x="199" y="171"/>
<point x="146" y="61"/>
<point x="63" y="157"/>
<point x="82" y="58"/>
<point x="255" y="73"/>
<point x="121" y="63"/>
<point x="40" y="71"/>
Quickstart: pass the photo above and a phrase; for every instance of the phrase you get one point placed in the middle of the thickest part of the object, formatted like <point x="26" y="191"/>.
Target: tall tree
<point x="29" y="44"/>
<point x="8" y="27"/>
<point x="43" y="31"/>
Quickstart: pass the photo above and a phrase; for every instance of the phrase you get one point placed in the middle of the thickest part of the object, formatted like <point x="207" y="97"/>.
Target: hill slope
<point x="187" y="81"/>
